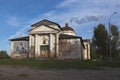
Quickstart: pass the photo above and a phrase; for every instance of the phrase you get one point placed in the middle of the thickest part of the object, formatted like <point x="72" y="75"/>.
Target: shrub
<point x="3" y="54"/>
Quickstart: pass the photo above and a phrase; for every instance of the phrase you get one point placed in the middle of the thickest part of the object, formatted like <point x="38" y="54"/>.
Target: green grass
<point x="57" y="64"/>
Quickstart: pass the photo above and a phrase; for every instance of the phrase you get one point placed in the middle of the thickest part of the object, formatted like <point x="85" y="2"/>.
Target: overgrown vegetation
<point x="3" y="54"/>
<point x="58" y="64"/>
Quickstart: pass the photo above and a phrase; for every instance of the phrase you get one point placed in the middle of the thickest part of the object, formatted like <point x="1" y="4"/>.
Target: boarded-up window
<point x="44" y="50"/>
<point x="44" y="47"/>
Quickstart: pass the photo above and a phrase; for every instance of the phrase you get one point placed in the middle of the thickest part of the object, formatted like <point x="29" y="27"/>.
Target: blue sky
<point x="16" y="16"/>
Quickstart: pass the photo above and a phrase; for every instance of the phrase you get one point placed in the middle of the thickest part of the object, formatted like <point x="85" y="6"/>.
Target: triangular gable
<point x="43" y="28"/>
<point x="46" y="22"/>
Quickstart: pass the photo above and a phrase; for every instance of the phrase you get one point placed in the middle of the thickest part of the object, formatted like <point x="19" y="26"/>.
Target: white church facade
<point x="48" y="39"/>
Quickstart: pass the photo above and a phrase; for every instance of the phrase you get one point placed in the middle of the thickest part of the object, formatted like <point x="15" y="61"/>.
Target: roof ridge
<point x="45" y="21"/>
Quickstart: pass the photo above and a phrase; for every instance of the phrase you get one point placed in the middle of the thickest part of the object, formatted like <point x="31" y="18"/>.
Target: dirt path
<point x="25" y="73"/>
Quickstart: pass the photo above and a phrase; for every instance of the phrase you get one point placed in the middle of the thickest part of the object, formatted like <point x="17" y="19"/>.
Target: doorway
<point x="44" y="50"/>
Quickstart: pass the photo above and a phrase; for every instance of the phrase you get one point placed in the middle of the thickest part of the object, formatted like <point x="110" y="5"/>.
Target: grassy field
<point x="57" y="64"/>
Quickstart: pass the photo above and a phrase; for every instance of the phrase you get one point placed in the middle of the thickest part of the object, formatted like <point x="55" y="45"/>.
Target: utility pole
<point x="110" y="34"/>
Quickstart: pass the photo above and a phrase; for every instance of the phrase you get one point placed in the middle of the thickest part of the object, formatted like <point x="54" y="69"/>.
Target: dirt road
<point x="25" y="73"/>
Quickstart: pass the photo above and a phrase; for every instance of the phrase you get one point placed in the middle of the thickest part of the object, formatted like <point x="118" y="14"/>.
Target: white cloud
<point x="13" y="21"/>
<point x="96" y="6"/>
<point x="21" y="32"/>
<point x="67" y="3"/>
<point x="85" y="3"/>
<point x="76" y="8"/>
<point x="90" y="31"/>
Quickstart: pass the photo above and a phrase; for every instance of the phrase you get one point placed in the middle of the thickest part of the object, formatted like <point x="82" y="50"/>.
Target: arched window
<point x="44" y="41"/>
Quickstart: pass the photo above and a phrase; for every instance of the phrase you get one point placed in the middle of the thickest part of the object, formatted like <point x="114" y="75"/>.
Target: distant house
<point x="48" y="39"/>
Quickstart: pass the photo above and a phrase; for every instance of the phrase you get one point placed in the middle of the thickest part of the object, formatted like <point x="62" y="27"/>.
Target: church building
<point x="48" y="39"/>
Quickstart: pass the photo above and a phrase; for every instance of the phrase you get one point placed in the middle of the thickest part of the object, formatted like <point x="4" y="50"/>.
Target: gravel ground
<point x="25" y="73"/>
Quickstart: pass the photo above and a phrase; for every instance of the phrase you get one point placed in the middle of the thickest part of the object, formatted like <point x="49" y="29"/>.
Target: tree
<point x="100" y="41"/>
<point x="115" y="41"/>
<point x="92" y="52"/>
<point x="3" y="54"/>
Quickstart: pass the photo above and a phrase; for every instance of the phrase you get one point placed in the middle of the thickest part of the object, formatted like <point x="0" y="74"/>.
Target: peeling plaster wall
<point x="70" y="49"/>
<point x="19" y="49"/>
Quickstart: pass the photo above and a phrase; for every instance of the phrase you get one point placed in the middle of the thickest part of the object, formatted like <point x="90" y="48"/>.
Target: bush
<point x="3" y="54"/>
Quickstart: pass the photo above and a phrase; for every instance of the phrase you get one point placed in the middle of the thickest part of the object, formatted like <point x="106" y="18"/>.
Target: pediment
<point x="43" y="28"/>
<point x="47" y="22"/>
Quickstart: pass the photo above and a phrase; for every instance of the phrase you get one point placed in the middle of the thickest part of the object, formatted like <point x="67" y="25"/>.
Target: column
<point x="89" y="50"/>
<point x="56" y="44"/>
<point x="29" y="45"/>
<point x="50" y="42"/>
<point x="36" y="45"/>
<point x="31" y="50"/>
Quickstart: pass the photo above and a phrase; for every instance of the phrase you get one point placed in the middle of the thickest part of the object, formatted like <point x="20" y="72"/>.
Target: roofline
<point x="78" y="38"/>
<point x="48" y="21"/>
<point x="45" y="25"/>
<point x="82" y="42"/>
<point x="24" y="38"/>
<point x="74" y="38"/>
<point x="86" y="40"/>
